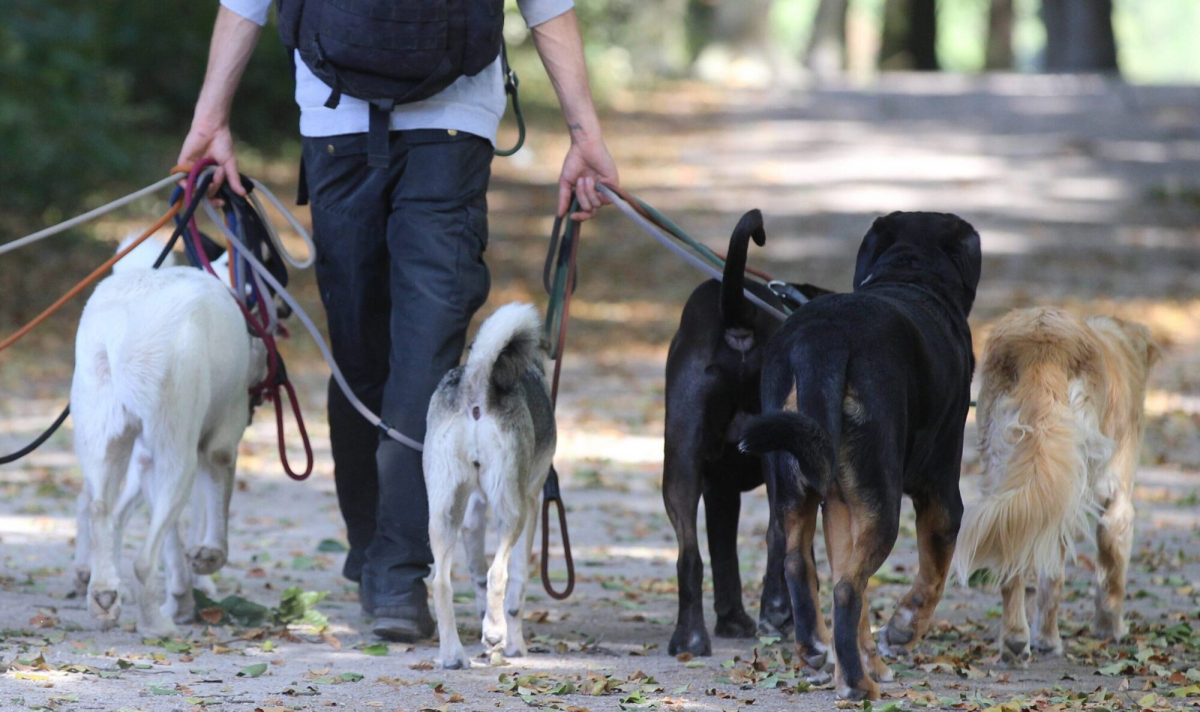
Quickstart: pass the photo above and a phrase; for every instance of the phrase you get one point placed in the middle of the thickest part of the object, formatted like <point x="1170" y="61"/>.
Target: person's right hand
<point x="215" y="141"/>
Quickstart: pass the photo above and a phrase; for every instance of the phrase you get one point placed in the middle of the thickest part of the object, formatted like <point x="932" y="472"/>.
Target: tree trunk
<point x="827" y="48"/>
<point x="999" y="55"/>
<point x="909" y="35"/>
<point x="741" y="25"/>
<point x="1079" y="36"/>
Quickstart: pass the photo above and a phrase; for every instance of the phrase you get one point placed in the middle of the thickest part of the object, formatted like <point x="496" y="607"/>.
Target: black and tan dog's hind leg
<point x="859" y="538"/>
<point x="939" y="507"/>
<point x="800" y="571"/>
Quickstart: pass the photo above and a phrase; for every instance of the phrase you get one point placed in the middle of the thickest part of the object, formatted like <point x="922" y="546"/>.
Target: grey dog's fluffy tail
<point x="801" y="437"/>
<point x="733" y="303"/>
<point x="508" y="343"/>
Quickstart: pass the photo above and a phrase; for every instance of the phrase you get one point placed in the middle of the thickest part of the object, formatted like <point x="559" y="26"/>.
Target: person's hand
<point x="587" y="163"/>
<point x="215" y="141"/>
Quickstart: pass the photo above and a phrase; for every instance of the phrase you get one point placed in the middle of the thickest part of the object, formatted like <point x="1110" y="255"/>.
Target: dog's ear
<point x="967" y="253"/>
<point x="877" y="241"/>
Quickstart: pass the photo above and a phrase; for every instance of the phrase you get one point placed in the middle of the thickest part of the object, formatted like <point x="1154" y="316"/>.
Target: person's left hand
<point x="587" y="163"/>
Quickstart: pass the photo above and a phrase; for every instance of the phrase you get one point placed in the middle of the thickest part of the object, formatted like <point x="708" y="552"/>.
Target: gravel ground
<point x="1086" y="194"/>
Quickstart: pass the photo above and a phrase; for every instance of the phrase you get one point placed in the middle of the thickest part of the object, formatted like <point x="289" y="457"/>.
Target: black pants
<point x="401" y="272"/>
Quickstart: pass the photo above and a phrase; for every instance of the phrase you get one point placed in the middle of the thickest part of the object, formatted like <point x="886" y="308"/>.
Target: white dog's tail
<point x="1039" y="439"/>
<point x="508" y="343"/>
<point x="143" y="256"/>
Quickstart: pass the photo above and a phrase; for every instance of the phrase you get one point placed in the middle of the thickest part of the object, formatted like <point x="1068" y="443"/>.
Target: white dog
<point x="163" y="368"/>
<point x="490" y="441"/>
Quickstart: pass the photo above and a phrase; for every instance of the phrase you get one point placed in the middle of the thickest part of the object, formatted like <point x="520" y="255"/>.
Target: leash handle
<point x="550" y="494"/>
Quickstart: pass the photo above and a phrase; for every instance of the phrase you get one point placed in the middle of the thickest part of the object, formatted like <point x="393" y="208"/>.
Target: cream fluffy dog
<point x="491" y="437"/>
<point x="1060" y="431"/>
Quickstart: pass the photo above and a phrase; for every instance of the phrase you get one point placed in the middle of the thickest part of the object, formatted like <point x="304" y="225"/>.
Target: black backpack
<point x="391" y="52"/>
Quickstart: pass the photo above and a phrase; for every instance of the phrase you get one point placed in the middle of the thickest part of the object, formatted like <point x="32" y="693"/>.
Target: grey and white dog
<point x="489" y="443"/>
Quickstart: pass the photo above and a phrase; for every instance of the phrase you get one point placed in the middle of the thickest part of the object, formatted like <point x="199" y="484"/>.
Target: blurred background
<point x="1066" y="131"/>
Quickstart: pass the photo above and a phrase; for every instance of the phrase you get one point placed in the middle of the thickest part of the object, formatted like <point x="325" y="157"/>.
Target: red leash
<point x="276" y="379"/>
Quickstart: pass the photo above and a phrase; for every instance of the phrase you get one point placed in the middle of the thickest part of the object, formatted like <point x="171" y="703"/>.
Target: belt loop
<point x="380" y="113"/>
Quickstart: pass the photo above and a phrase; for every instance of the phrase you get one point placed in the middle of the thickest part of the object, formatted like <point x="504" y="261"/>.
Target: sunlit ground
<point x="1087" y="195"/>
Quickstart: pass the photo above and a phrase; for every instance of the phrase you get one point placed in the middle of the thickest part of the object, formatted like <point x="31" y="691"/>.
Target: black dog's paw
<point x="735" y="625"/>
<point x="775" y="626"/>
<point x="694" y="641"/>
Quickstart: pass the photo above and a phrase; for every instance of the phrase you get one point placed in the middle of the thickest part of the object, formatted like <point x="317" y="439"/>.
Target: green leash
<point x="510" y="88"/>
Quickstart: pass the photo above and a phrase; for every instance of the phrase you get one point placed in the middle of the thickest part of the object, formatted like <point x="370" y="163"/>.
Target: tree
<point x="909" y="35"/>
<point x="1079" y="36"/>
<point x="999" y="53"/>
<point x="827" y="48"/>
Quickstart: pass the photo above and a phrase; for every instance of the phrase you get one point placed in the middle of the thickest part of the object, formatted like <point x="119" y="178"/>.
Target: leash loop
<point x="551" y="495"/>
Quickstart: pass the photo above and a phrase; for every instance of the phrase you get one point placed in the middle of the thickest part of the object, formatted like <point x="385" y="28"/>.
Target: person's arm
<point x="233" y="42"/>
<point x="560" y="45"/>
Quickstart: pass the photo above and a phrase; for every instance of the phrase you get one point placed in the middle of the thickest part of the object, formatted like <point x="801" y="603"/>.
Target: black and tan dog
<point x="865" y="396"/>
<point x="712" y="385"/>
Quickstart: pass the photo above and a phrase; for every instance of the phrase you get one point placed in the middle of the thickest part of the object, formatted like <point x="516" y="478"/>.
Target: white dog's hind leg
<point x="104" y="458"/>
<point x="83" y="548"/>
<point x="180" y="605"/>
<point x="474" y="532"/>
<point x="166" y="488"/>
<point x="215" y="479"/>
<point x="518" y="578"/>
<point x="445" y="518"/>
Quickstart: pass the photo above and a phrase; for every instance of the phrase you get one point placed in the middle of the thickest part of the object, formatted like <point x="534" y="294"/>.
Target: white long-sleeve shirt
<point x="471" y="104"/>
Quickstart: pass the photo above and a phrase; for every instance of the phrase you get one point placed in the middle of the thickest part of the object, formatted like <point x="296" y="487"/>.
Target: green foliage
<point x="84" y="85"/>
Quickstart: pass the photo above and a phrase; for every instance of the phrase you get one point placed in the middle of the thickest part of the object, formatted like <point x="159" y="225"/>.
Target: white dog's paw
<point x="205" y="560"/>
<point x="83" y="574"/>
<point x="206" y="585"/>
<point x="156" y="626"/>
<point x="104" y="604"/>
<point x="455" y="660"/>
<point x="180" y="608"/>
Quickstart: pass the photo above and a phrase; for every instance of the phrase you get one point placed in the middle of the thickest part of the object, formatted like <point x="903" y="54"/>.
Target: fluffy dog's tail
<point x="1040" y="438"/>
<point x="508" y="343"/>
<point x="801" y="437"/>
<point x="733" y="302"/>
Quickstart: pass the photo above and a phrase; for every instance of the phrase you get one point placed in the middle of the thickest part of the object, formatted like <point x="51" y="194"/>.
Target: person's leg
<point x="350" y="207"/>
<point x="436" y="236"/>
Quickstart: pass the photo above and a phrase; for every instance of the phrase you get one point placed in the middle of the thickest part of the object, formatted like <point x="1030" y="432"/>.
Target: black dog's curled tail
<point x="733" y="303"/>
<point x="799" y="436"/>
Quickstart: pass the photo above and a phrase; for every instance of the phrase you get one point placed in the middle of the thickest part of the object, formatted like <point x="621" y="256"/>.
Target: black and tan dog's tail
<point x="801" y="437"/>
<point x="734" y="309"/>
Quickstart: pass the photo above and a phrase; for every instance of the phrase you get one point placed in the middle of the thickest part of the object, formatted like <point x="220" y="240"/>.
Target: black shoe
<point x="403" y="624"/>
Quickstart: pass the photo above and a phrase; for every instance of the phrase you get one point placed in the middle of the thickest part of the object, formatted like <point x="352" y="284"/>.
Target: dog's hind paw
<point x="895" y="642"/>
<point x="205" y="560"/>
<point x="457" y="660"/>
<point x="83" y="574"/>
<point x="735" y="625"/>
<point x="1014" y="653"/>
<point x="694" y="642"/>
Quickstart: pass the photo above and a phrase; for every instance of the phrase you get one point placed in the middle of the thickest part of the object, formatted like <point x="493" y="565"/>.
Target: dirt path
<point x="1084" y="197"/>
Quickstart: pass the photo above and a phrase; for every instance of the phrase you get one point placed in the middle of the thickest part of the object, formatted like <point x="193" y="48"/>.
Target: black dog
<point x="868" y="393"/>
<point x="712" y="385"/>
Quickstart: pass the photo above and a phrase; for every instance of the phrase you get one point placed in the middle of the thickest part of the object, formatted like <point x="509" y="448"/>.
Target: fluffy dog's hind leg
<point x="1047" y="640"/>
<point x="166" y="488"/>
<point x="104" y="458"/>
<point x="1014" y="628"/>
<point x="938" y="518"/>
<point x="495" y="626"/>
<point x="1114" y="541"/>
